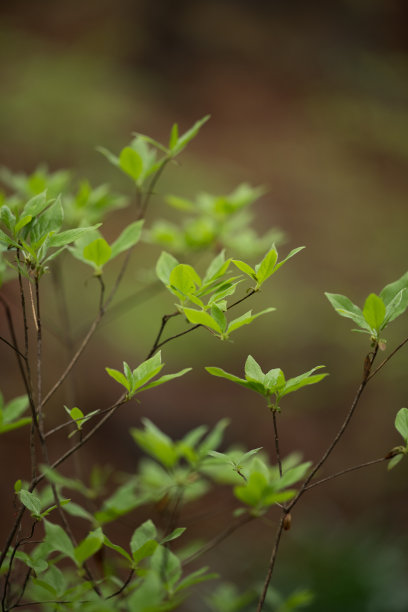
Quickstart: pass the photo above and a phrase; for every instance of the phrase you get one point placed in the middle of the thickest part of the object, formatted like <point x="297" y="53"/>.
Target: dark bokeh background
<point x="310" y="100"/>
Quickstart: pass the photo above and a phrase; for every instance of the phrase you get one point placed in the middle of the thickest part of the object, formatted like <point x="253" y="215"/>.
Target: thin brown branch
<point x="382" y="364"/>
<point x="271" y="562"/>
<point x="246" y="518"/>
<point x="275" y="428"/>
<point x="369" y="360"/>
<point x="345" y="471"/>
<point x="164" y="321"/>
<point x="73" y="361"/>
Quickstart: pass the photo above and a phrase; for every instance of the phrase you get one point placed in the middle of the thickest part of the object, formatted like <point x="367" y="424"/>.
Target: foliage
<point x="47" y="561"/>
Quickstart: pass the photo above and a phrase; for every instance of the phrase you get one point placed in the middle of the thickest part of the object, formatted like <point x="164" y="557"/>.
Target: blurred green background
<point x="309" y="100"/>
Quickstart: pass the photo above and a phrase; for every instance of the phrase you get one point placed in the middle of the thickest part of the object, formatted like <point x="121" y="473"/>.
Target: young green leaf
<point x="303" y="380"/>
<point x="98" y="253"/>
<point x="374" y="311"/>
<point x="184" y="279"/>
<point x="57" y="539"/>
<point x="119" y="377"/>
<point x="401" y="423"/>
<point x="164" y="267"/>
<point x="127" y="239"/>
<point x="89" y="546"/>
<point x="266" y="268"/>
<point x="131" y="162"/>
<point x="244" y="267"/>
<point x="246" y="318"/>
<point x="200" y="317"/>
<point x="30" y="501"/>
<point x="253" y="371"/>
<point x="346" y="308"/>
<point x="185" y="138"/>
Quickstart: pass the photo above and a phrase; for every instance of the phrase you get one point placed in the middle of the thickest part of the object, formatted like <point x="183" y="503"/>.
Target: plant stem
<point x="369" y="360"/>
<point x="345" y="471"/>
<point x="275" y="428"/>
<point x="271" y="562"/>
<point x="382" y="364"/>
<point x="246" y="518"/>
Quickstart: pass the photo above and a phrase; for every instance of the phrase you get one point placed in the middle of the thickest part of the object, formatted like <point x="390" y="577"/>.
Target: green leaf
<point x="15" y="408"/>
<point x="244" y="267"/>
<point x="246" y="318"/>
<point x="121" y="551"/>
<point x="394" y="461"/>
<point x="89" y="546"/>
<point x="346" y="308"/>
<point x="200" y="317"/>
<point x="188" y="136"/>
<point x="195" y="578"/>
<point x="401" y="423"/>
<point x="374" y="311"/>
<point x="218" y="315"/>
<point x="131" y="162"/>
<point x="292" y="253"/>
<point x="166" y="565"/>
<point x="293" y="475"/>
<point x="176" y="533"/>
<point x="253" y="371"/>
<point x="293" y="384"/>
<point x="30" y="501"/>
<point x="8" y="241"/>
<point x="14" y="425"/>
<point x="165" y="264"/>
<point x="274" y="380"/>
<point x="156" y="443"/>
<point x="214" y="371"/>
<point x="146" y="370"/>
<point x="36" y="205"/>
<point x="144" y="533"/>
<point x="119" y="377"/>
<point x="217" y="267"/>
<point x="57" y="539"/>
<point x="165" y="378"/>
<point x="127" y="239"/>
<point x="185" y="279"/>
<point x="98" y="252"/>
<point x="109" y="156"/>
<point x="22" y="223"/>
<point x="68" y="236"/>
<point x="62" y="481"/>
<point x="396" y="307"/>
<point x="266" y="268"/>
<point x="388" y="293"/>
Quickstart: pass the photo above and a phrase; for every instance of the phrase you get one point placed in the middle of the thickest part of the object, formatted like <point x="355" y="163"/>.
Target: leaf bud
<point x="287" y="521"/>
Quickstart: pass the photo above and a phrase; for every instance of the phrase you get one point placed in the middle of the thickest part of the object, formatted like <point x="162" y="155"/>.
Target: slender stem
<point x="164" y="321"/>
<point x="345" y="471"/>
<point x="12" y="346"/>
<point x="13" y="554"/>
<point x="382" y="364"/>
<point x="15" y="342"/>
<point x="37" y="315"/>
<point x="73" y="361"/>
<point x="271" y="562"/>
<point x="245" y="518"/>
<point x="124" y="585"/>
<point x="285" y="511"/>
<point x="367" y="368"/>
<point x="275" y="428"/>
